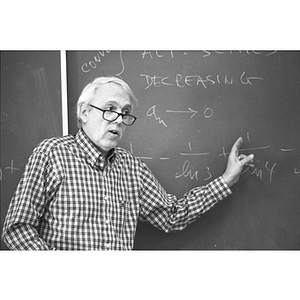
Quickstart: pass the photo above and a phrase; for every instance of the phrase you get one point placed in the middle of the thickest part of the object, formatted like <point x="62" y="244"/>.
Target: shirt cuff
<point x="220" y="188"/>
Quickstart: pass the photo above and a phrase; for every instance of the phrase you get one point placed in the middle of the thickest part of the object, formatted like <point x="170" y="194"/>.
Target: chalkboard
<point x="30" y="112"/>
<point x="193" y="105"/>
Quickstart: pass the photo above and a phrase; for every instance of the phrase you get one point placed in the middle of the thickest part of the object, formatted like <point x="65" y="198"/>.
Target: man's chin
<point x="110" y="146"/>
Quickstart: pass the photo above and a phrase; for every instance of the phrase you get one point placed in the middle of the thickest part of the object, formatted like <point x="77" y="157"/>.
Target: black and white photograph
<point x="176" y="160"/>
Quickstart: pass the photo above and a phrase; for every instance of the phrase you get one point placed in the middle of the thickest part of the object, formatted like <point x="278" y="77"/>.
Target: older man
<point x="84" y="193"/>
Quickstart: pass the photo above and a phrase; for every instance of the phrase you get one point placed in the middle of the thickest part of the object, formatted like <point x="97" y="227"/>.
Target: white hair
<point x="90" y="90"/>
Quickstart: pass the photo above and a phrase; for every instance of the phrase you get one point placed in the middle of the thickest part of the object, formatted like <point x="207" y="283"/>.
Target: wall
<point x="30" y="112"/>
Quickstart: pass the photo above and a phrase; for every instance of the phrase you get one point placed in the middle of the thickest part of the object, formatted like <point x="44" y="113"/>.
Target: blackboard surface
<point x="30" y="112"/>
<point x="193" y="106"/>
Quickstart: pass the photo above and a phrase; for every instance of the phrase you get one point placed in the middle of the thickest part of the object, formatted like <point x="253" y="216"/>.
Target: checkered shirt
<point x="69" y="198"/>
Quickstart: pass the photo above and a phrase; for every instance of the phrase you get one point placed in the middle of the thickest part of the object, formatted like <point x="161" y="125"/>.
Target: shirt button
<point x="107" y="221"/>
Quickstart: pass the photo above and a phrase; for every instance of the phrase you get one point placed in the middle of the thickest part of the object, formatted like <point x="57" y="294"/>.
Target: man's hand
<point x="236" y="163"/>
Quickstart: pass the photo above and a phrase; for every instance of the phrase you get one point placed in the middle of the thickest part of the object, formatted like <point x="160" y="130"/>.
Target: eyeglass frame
<point x="112" y="111"/>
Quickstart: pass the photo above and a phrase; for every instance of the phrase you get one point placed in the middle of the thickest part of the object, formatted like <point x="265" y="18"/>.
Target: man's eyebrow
<point x="113" y="102"/>
<point x="116" y="104"/>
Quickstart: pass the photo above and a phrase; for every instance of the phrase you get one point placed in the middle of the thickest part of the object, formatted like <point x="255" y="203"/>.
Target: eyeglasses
<point x="110" y="116"/>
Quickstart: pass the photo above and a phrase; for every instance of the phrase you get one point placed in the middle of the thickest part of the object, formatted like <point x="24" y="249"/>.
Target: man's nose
<point x="119" y="119"/>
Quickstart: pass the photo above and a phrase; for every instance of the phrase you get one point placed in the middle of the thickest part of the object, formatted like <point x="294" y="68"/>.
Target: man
<point x="84" y="193"/>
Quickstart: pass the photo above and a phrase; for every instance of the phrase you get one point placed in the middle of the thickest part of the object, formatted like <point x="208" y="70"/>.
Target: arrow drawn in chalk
<point x="190" y="111"/>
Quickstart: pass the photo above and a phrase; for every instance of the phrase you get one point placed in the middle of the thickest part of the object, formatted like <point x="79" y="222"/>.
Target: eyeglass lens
<point x="113" y="115"/>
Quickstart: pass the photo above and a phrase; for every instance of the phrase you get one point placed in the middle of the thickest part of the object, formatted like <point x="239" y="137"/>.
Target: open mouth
<point x="114" y="132"/>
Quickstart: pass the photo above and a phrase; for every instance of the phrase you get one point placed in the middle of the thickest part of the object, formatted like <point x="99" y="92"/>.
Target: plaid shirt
<point x="69" y="198"/>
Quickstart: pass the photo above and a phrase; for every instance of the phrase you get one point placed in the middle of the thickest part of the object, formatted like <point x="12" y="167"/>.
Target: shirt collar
<point x="92" y="154"/>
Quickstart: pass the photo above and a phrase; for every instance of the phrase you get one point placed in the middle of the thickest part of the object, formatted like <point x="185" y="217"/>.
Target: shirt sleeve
<point x="20" y="229"/>
<point x="168" y="213"/>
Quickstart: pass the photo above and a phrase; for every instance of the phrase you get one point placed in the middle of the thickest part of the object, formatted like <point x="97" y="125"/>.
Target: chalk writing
<point x="264" y="53"/>
<point x="256" y="172"/>
<point x="248" y="136"/>
<point x="122" y="64"/>
<point x="144" y="157"/>
<point x="245" y="149"/>
<point x="152" y="112"/>
<point x="11" y="168"/>
<point x="270" y="170"/>
<point x="157" y="81"/>
<point x="98" y="57"/>
<point x="93" y="63"/>
<point x="204" y="53"/>
<point x="247" y="79"/>
<point x="187" y="172"/>
<point x="260" y="172"/>
<point x="263" y="173"/>
<point x="210" y="175"/>
<point x="208" y="113"/>
<point x="192" y="153"/>
<point x="189" y="111"/>
<point x="205" y="81"/>
<point x="156" y="54"/>
<point x="224" y="153"/>
<point x="140" y="157"/>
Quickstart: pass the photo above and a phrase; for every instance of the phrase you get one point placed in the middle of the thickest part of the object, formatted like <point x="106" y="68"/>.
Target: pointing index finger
<point x="236" y="146"/>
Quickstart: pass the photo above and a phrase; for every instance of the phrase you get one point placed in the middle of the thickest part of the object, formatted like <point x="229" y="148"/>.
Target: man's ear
<point x="83" y="112"/>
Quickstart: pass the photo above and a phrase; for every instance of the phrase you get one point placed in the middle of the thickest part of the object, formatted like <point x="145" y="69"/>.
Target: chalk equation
<point x="262" y="170"/>
<point x="188" y="171"/>
<point x="152" y="113"/>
